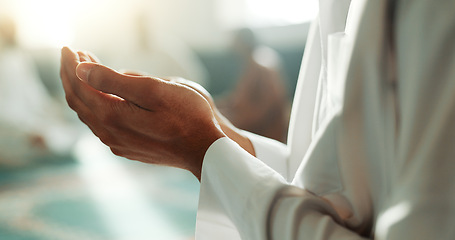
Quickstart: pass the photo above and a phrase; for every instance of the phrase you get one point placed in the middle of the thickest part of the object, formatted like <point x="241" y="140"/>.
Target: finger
<point x="189" y="83"/>
<point x="136" y="89"/>
<point x="99" y="130"/>
<point x="68" y="62"/>
<point x="83" y="112"/>
<point x="86" y="56"/>
<point x="99" y="111"/>
<point x="200" y="89"/>
<point x="83" y="57"/>
<point x="134" y="73"/>
<point x="80" y="93"/>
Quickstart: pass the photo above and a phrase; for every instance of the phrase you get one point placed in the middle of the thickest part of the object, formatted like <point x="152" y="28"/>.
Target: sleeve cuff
<point x="235" y="187"/>
<point x="271" y="152"/>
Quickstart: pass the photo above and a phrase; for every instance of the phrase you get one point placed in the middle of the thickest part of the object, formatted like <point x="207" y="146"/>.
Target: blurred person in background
<point x="31" y="122"/>
<point x="160" y="55"/>
<point x="259" y="102"/>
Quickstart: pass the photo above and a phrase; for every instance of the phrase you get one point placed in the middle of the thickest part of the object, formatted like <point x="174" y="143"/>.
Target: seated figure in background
<point x="160" y="54"/>
<point x="259" y="102"/>
<point x="31" y="122"/>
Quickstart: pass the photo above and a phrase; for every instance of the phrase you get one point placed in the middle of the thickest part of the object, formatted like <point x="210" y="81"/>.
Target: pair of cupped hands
<point x="168" y="122"/>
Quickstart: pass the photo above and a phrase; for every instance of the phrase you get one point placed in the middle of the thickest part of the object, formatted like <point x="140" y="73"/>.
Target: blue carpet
<point x="57" y="201"/>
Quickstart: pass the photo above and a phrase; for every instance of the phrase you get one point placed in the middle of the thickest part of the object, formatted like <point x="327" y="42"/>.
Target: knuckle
<point x="106" y="139"/>
<point x="117" y="151"/>
<point x="83" y="119"/>
<point x="89" y="121"/>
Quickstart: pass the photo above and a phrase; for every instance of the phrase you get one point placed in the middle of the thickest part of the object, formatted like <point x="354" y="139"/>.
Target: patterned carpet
<point x="97" y="196"/>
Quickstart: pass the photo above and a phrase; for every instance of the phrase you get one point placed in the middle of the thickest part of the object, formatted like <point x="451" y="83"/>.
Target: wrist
<point x="203" y="143"/>
<point x="236" y="135"/>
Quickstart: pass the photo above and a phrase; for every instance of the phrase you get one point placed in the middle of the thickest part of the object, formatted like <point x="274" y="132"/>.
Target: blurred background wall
<point x="109" y="29"/>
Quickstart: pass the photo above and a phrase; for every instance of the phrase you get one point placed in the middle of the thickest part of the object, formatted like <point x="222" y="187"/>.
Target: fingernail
<point x="83" y="71"/>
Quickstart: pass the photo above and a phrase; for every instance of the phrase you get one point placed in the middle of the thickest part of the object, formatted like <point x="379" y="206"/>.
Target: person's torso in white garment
<point x="313" y="106"/>
<point x="378" y="154"/>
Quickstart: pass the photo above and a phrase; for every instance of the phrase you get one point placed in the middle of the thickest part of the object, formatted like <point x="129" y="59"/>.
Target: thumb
<point x="107" y="80"/>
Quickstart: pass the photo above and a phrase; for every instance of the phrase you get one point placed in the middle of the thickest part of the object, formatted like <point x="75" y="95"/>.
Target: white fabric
<point x="273" y="153"/>
<point x="371" y="160"/>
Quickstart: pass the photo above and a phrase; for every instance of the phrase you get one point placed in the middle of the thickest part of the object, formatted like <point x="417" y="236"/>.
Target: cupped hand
<point x="228" y="128"/>
<point x="139" y="117"/>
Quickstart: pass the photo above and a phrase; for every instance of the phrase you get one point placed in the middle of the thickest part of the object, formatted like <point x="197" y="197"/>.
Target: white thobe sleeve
<point x="212" y="221"/>
<point x="422" y="203"/>
<point x="241" y="193"/>
<point x="273" y="153"/>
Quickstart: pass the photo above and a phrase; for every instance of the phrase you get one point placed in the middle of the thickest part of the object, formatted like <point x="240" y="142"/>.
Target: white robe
<point x="371" y="150"/>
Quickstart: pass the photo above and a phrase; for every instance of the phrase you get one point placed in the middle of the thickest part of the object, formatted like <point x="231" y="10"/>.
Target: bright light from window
<point x="49" y="23"/>
<point x="44" y="23"/>
<point x="55" y="23"/>
<point x="280" y="12"/>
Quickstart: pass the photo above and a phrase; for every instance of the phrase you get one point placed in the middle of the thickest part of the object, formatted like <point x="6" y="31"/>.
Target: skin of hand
<point x="228" y="128"/>
<point x="141" y="118"/>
